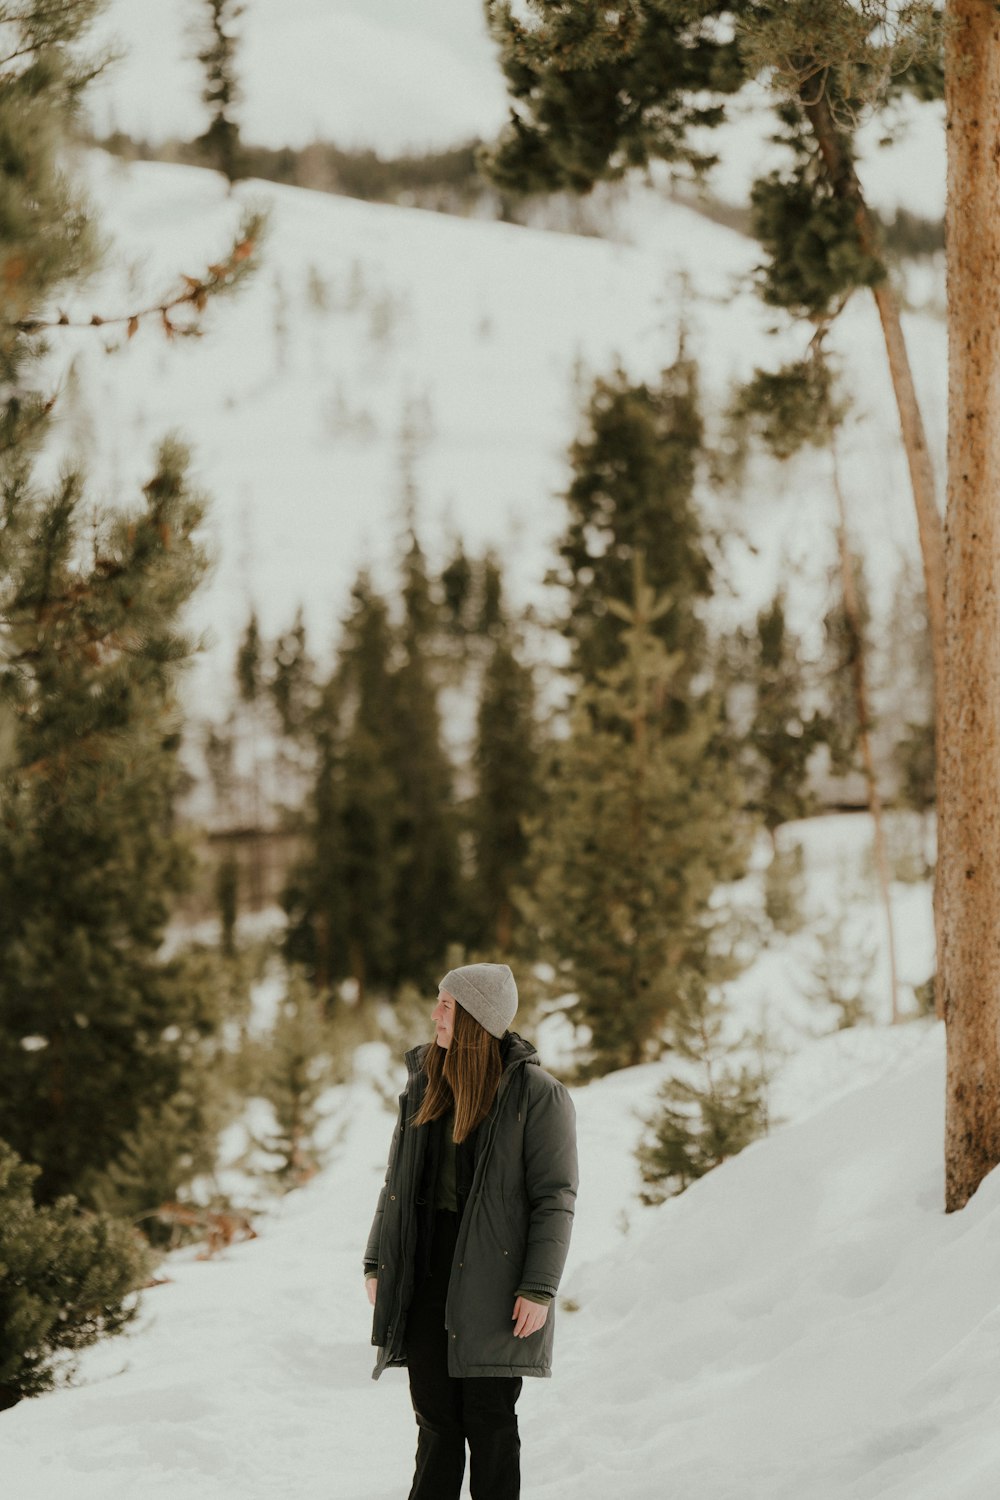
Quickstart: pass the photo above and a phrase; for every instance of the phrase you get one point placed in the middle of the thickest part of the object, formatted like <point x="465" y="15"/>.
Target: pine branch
<point x="221" y="276"/>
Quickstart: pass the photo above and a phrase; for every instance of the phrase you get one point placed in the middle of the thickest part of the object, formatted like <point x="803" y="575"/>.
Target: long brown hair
<point x="466" y="1074"/>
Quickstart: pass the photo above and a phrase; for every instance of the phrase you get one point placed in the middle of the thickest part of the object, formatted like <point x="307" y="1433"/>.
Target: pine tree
<point x="846" y="635"/>
<point x="294" y="694"/>
<point x="49" y="238"/>
<point x="250" y="661"/>
<point x="508" y="792"/>
<point x="93" y="1024"/>
<point x="296" y="1070"/>
<point x="89" y="856"/>
<point x="785" y="888"/>
<point x="428" y="904"/>
<point x="782" y="735"/>
<point x="634" y="472"/>
<point x="490" y="617"/>
<point x="341" y="896"/>
<point x="251" y="683"/>
<point x="456" y="590"/>
<point x="291" y="682"/>
<point x="315" y="892"/>
<point x="709" y="1112"/>
<point x="69" y="1279"/>
<point x="643" y="820"/>
<point x="220" y="143"/>
<point x="371" y="787"/>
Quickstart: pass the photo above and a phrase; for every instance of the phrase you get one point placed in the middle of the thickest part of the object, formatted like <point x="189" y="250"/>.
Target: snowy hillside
<point x="805" y="1322"/>
<point x="484" y="339"/>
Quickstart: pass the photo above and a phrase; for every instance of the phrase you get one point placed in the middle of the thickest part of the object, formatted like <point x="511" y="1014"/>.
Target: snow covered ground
<point x="803" y="1324"/>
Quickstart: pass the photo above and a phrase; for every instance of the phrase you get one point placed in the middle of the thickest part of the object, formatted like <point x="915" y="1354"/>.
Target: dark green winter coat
<point x="514" y="1232"/>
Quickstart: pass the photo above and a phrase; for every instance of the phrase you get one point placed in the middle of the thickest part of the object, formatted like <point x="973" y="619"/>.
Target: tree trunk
<point x="930" y="529"/>
<point x="969" y="760"/>
<point x="853" y="613"/>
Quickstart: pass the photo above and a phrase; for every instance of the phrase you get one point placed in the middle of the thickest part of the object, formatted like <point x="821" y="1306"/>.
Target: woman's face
<point x="443" y="1016"/>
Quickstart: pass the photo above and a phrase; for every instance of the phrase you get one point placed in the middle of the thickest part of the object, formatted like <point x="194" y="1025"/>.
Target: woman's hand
<point x="528" y="1317"/>
<point x="371" y="1282"/>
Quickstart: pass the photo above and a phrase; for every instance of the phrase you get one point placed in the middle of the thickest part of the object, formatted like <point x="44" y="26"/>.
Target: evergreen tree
<point x="782" y="735"/>
<point x="634" y="473"/>
<point x="48" y="236"/>
<point x="340" y="898"/>
<point x="291" y="683"/>
<point x="250" y="662"/>
<point x="294" y="694"/>
<point x="89" y="857"/>
<point x="456" y="590"/>
<point x="315" y="893"/>
<point x="296" y="1070"/>
<point x="218" y="746"/>
<point x="845" y="637"/>
<point x="370" y="788"/>
<point x="785" y="888"/>
<point x="428" y="904"/>
<point x="68" y="1280"/>
<point x="220" y="143"/>
<point x="251" y="683"/>
<point x="508" y="792"/>
<point x="706" y="1114"/>
<point x="490" y="618"/>
<point x="643" y="820"/>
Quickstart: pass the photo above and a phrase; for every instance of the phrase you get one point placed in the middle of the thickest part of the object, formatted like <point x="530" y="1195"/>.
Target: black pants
<point x="452" y="1412"/>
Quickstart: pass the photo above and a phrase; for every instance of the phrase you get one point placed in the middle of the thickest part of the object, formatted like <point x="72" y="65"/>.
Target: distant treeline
<point x="450" y="182"/>
<point x="447" y="181"/>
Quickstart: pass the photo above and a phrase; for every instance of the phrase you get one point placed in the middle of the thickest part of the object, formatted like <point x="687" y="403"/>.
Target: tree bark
<point x="969" y="759"/>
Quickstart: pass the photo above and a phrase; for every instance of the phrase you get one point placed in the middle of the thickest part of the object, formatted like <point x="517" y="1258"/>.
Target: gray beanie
<point x="487" y="991"/>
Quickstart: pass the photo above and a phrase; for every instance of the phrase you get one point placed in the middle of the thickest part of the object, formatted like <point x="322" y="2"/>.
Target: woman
<point x="470" y="1234"/>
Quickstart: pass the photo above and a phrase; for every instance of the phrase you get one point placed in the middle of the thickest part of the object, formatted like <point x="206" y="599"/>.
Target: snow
<point x="804" y="1321"/>
<point x="485" y="338"/>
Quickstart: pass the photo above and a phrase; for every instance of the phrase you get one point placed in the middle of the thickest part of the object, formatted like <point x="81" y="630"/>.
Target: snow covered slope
<point x="484" y="338"/>
<point x="804" y="1324"/>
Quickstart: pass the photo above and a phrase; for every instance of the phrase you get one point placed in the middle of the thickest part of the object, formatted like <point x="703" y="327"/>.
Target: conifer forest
<point x="504" y="482"/>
